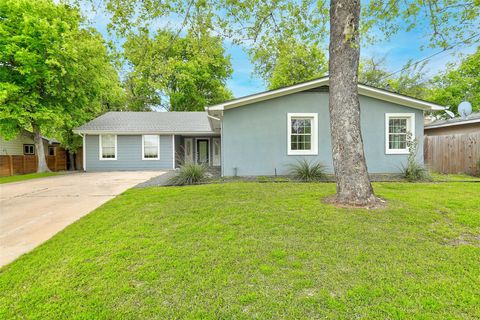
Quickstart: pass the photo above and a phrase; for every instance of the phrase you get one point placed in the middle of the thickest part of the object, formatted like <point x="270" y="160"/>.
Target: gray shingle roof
<point x="454" y="121"/>
<point x="148" y="122"/>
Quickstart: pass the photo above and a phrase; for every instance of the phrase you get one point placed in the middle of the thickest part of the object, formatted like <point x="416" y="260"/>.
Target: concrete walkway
<point x="32" y="211"/>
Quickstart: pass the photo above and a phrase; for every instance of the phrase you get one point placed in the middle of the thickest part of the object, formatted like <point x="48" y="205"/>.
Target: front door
<point x="216" y="151"/>
<point x="202" y="151"/>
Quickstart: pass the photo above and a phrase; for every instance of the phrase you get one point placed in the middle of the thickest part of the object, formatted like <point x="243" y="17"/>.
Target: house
<point x="453" y="145"/>
<point x="23" y="144"/>
<point x="260" y="134"/>
<point x="459" y="125"/>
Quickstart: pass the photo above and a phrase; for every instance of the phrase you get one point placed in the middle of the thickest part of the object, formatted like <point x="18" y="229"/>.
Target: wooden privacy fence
<point x="18" y="164"/>
<point x="456" y="153"/>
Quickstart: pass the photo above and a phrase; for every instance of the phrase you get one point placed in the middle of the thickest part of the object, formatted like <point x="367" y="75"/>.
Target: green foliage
<point x="54" y="73"/>
<point x="458" y="83"/>
<point x="188" y="174"/>
<point x="413" y="171"/>
<point x="410" y="81"/>
<point x="289" y="62"/>
<point x="29" y="176"/>
<point x="307" y="171"/>
<point x="177" y="73"/>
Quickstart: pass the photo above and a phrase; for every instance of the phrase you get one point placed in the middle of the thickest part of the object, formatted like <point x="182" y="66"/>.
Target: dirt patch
<point x="373" y="204"/>
<point x="465" y="239"/>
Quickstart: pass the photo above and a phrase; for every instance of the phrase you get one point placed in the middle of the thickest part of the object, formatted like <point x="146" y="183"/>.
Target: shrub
<point x="189" y="173"/>
<point x="307" y="172"/>
<point x="414" y="171"/>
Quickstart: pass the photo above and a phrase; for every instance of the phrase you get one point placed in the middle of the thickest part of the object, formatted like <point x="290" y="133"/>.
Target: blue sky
<point x="398" y="51"/>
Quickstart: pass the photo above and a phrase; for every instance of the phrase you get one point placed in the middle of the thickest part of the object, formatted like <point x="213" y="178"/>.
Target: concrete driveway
<point x="33" y="211"/>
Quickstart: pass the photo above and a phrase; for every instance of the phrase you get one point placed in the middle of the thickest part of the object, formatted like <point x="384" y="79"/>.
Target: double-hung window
<point x="108" y="147"/>
<point x="397" y="127"/>
<point x="151" y="147"/>
<point x="302" y="133"/>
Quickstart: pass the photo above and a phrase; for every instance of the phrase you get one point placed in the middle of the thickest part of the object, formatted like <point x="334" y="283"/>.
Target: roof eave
<point x="452" y="124"/>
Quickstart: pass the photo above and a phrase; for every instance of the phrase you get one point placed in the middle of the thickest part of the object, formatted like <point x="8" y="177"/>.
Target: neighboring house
<point x="453" y="145"/>
<point x="469" y="124"/>
<point x="260" y="134"/>
<point x="23" y="144"/>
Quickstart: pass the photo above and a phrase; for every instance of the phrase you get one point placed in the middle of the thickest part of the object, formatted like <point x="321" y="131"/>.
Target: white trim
<point x="314" y="140"/>
<point x="143" y="147"/>
<point x="173" y="150"/>
<point x="451" y="124"/>
<point x="410" y="128"/>
<point x="100" y="153"/>
<point x="127" y="133"/>
<point x="362" y="90"/>
<point x="84" y="151"/>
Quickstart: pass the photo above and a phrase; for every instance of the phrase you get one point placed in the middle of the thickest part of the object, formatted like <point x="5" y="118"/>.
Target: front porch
<point x="198" y="149"/>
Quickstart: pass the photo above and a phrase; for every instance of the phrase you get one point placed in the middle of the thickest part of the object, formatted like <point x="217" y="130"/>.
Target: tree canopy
<point x="458" y="83"/>
<point x="175" y="72"/>
<point x="54" y="73"/>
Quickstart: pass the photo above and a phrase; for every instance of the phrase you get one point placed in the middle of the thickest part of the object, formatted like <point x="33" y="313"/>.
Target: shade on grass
<point x="28" y="176"/>
<point x="251" y="250"/>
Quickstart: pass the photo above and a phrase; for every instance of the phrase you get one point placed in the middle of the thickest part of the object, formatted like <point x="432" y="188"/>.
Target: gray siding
<point x="129" y="154"/>
<point x="255" y="136"/>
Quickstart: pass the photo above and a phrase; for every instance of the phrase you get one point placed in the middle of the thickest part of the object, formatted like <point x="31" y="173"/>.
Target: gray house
<point x="260" y="134"/>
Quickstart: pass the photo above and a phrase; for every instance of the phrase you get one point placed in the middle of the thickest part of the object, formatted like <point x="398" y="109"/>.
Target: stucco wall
<point x="255" y="136"/>
<point x="129" y="154"/>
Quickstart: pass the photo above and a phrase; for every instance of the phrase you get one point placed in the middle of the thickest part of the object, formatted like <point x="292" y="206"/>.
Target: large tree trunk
<point x="37" y="138"/>
<point x="353" y="184"/>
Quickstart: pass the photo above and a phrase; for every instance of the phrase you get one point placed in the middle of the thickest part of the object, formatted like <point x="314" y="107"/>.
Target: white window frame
<point x="29" y="145"/>
<point x="143" y="147"/>
<point x="100" y="153"/>
<point x="410" y="128"/>
<point x="314" y="139"/>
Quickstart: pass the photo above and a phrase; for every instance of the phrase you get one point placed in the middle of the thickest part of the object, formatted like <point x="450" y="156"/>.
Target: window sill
<point x="148" y="159"/>
<point x="302" y="153"/>
<point x="397" y="152"/>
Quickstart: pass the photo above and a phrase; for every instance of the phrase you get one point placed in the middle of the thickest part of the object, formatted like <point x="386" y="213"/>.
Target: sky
<point x="398" y="50"/>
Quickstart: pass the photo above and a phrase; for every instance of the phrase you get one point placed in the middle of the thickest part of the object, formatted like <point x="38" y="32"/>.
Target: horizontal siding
<point x="129" y="154"/>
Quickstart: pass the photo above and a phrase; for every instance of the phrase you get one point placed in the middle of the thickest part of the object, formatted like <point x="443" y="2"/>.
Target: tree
<point x="289" y="62"/>
<point x="49" y="71"/>
<point x="458" y="83"/>
<point x="411" y="80"/>
<point x="178" y="73"/>
<point x="252" y="22"/>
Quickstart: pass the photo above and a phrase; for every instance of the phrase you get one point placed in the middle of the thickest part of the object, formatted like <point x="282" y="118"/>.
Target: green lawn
<point x="26" y="177"/>
<point x="258" y="250"/>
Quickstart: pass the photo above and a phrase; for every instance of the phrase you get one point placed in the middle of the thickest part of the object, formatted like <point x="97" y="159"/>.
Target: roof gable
<point x="325" y="81"/>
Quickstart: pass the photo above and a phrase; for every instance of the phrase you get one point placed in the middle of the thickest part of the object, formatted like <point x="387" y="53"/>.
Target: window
<point x="108" y="147"/>
<point x="151" y="147"/>
<point x="397" y="126"/>
<point x="51" y="151"/>
<point x="28" y="149"/>
<point x="302" y="133"/>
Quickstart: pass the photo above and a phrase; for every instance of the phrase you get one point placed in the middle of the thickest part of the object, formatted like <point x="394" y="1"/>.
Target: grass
<point x="440" y="177"/>
<point x="258" y="250"/>
<point x="28" y="176"/>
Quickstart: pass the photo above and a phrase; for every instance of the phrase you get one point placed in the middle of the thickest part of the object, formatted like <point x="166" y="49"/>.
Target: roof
<point x="363" y="89"/>
<point x="472" y="118"/>
<point x="148" y="122"/>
